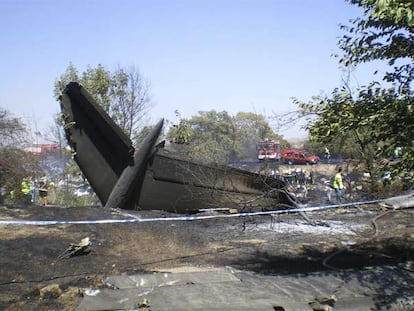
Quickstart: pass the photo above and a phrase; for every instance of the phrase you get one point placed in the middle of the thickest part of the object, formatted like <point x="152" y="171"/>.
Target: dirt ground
<point x="341" y="238"/>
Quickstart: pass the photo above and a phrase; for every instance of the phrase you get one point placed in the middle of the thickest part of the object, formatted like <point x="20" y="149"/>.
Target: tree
<point x="123" y="94"/>
<point x="380" y="116"/>
<point x="12" y="129"/>
<point x="70" y="74"/>
<point x="98" y="82"/>
<point x="15" y="163"/>
<point x="131" y="99"/>
<point x="251" y="129"/>
<point x="209" y="137"/>
<point x="213" y="136"/>
<point x="341" y="119"/>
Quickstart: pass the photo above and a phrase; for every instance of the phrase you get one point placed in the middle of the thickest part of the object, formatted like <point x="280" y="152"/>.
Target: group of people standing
<point x="294" y="177"/>
<point x="301" y="177"/>
<point x="34" y="192"/>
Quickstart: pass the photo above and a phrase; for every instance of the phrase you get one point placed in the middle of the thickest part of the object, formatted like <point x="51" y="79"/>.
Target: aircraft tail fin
<point x="99" y="146"/>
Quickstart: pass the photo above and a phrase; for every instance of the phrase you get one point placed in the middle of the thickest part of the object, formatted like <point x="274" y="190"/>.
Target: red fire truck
<point x="268" y="149"/>
<point x="38" y="149"/>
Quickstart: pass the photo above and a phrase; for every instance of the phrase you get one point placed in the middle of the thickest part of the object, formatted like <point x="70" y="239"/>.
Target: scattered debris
<point x="70" y="298"/>
<point x="72" y="291"/>
<point x="407" y="265"/>
<point x="264" y="255"/>
<point x="82" y="248"/>
<point x="323" y="303"/>
<point x="144" y="305"/>
<point x="91" y="292"/>
<point x="50" y="291"/>
<point x="401" y="201"/>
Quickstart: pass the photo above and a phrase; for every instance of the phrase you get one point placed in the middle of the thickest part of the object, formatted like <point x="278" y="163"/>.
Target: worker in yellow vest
<point x="337" y="183"/>
<point x="26" y="190"/>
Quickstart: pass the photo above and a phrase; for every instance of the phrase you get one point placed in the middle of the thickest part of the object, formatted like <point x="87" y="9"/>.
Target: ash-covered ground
<point x="338" y="239"/>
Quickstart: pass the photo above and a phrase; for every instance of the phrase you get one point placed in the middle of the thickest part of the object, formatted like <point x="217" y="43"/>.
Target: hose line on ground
<point x="366" y="240"/>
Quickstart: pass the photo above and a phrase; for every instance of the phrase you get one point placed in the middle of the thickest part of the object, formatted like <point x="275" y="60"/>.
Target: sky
<point x="198" y="55"/>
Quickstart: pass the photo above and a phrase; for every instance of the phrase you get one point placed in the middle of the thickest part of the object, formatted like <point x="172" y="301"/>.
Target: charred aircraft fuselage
<point x="153" y="177"/>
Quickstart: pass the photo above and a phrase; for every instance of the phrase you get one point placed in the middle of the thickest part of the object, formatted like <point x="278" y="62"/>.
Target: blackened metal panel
<point x="100" y="148"/>
<point x="127" y="189"/>
<point x="179" y="185"/>
<point x="168" y="168"/>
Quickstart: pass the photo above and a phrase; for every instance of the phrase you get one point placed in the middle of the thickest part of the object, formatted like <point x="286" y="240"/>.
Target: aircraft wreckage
<point x="153" y="177"/>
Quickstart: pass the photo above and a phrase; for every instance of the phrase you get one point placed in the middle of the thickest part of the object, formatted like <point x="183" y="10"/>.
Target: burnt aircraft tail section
<point x="99" y="146"/>
<point x="154" y="177"/>
<point x="127" y="190"/>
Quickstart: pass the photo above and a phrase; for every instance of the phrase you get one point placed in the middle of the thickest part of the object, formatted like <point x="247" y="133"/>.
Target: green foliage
<point x="15" y="163"/>
<point x="70" y="75"/>
<point x="254" y="125"/>
<point x="213" y="136"/>
<point x="377" y="119"/>
<point x="180" y="133"/>
<point x="12" y="130"/>
<point x="68" y="198"/>
<point x="98" y="82"/>
<point x="123" y="93"/>
<point x="251" y="129"/>
<point x="395" y="11"/>
<point x="384" y="33"/>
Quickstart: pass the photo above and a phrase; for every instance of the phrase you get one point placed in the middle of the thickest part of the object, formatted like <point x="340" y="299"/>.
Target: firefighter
<point x="327" y="154"/>
<point x="43" y="192"/>
<point x="337" y="183"/>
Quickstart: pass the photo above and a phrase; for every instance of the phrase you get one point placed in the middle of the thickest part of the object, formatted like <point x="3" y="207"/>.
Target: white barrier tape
<point x="177" y="218"/>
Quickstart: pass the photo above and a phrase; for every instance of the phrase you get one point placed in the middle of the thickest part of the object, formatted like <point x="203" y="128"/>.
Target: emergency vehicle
<point x="268" y="149"/>
<point x="38" y="149"/>
<point x="297" y="156"/>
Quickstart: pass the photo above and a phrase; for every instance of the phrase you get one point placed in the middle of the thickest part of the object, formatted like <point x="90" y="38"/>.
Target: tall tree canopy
<point x="124" y="93"/>
<point x="380" y="115"/>
<point x="213" y="136"/>
<point x="11" y="129"/>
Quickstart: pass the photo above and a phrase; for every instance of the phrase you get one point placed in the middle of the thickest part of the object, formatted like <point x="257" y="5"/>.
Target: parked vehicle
<point x="268" y="149"/>
<point x="295" y="156"/>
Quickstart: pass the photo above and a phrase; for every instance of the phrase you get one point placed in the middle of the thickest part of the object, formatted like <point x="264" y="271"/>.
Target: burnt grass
<point x="340" y="239"/>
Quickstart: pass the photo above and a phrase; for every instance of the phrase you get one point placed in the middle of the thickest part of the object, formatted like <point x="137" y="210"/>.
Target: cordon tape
<point x="137" y="219"/>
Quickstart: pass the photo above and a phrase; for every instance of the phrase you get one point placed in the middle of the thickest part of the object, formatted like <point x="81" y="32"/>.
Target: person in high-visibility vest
<point x="397" y="153"/>
<point x="337" y="183"/>
<point x="26" y="188"/>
